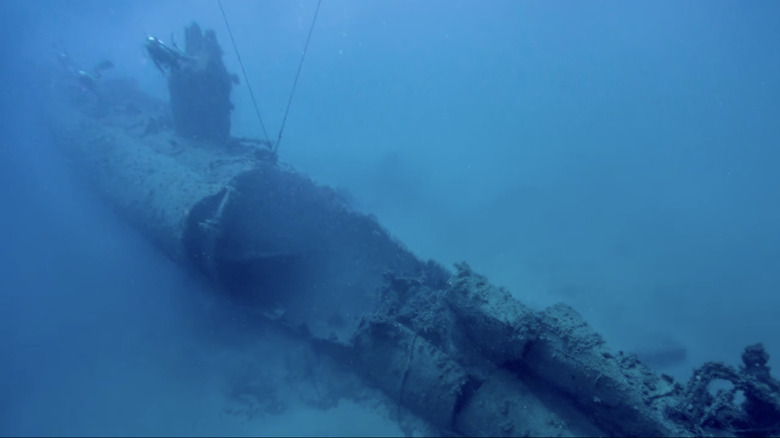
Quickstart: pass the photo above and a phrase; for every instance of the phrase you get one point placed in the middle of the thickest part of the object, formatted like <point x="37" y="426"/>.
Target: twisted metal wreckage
<point x="460" y="353"/>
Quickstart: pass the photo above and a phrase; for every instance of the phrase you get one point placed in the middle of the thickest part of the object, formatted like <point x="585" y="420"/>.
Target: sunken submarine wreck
<point x="457" y="351"/>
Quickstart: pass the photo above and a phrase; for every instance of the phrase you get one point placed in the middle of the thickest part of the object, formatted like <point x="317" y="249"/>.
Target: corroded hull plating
<point x="454" y="349"/>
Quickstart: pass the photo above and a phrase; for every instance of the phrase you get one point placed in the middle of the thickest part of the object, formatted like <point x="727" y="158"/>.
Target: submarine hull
<point x="459" y="352"/>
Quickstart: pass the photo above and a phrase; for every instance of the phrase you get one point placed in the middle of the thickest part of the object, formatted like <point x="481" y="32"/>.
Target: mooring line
<point x="241" y="63"/>
<point x="275" y="147"/>
<point x="298" y="74"/>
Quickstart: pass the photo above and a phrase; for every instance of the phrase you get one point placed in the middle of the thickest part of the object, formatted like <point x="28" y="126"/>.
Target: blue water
<point x="621" y="157"/>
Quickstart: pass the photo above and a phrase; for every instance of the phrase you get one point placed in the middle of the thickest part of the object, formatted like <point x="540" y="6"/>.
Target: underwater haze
<point x="620" y="157"/>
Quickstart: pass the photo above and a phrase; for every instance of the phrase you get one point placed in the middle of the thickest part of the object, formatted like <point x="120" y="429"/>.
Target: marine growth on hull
<point x="450" y="348"/>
